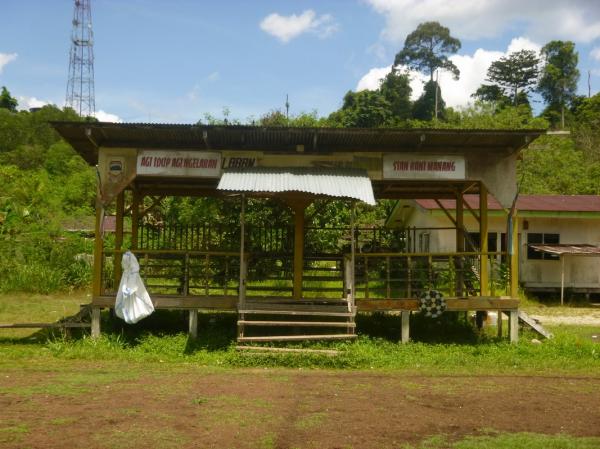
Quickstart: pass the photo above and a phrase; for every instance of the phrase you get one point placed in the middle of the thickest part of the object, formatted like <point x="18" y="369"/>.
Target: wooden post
<point x="119" y="237"/>
<point x="135" y="217"/>
<point x="193" y="324"/>
<point x="499" y="322"/>
<point x="405" y="326"/>
<point x="562" y="280"/>
<point x="95" y="322"/>
<point x="298" y="207"/>
<point x="514" y="258"/>
<point x="460" y="243"/>
<point x="98" y="252"/>
<point x="483" y="238"/>
<point x="242" y="287"/>
<point x="513" y="326"/>
<point x="353" y="258"/>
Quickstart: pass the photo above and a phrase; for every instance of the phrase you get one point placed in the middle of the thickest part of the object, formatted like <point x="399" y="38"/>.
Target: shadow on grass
<point x="217" y="330"/>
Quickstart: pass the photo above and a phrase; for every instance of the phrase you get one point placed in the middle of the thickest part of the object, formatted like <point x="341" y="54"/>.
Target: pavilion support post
<point x="193" y="324"/>
<point x="298" y="206"/>
<point x="98" y="252"/>
<point x="405" y="326"/>
<point x="514" y="257"/>
<point x="513" y="326"/>
<point x="460" y="244"/>
<point x="95" y="322"/>
<point x="135" y="218"/>
<point x="484" y="275"/>
<point x="562" y="280"/>
<point x="119" y="237"/>
<point x="352" y="254"/>
<point x="499" y="323"/>
<point x="243" y="269"/>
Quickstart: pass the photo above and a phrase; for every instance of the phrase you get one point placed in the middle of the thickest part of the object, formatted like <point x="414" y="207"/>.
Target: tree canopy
<point x="515" y="73"/>
<point x="427" y="48"/>
<point x="558" y="81"/>
<point x="7" y="101"/>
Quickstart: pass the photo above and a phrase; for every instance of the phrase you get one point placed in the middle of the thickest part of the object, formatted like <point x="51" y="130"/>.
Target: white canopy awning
<point x="332" y="182"/>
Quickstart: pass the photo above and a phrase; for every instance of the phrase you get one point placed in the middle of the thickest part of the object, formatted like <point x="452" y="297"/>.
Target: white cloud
<point x="26" y="103"/>
<point x="5" y="58"/>
<point x="107" y="117"/>
<point x="286" y="28"/>
<point x="595" y="53"/>
<point x="456" y="93"/>
<point x="577" y="20"/>
<point x="214" y="76"/>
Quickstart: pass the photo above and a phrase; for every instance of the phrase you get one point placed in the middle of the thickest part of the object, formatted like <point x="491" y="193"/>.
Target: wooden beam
<point x="562" y="280"/>
<point x="450" y="217"/>
<point x="298" y="205"/>
<point x="484" y="275"/>
<point x="452" y="304"/>
<point x="179" y="302"/>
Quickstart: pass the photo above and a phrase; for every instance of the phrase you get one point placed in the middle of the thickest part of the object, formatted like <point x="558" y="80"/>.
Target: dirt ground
<point x="122" y="406"/>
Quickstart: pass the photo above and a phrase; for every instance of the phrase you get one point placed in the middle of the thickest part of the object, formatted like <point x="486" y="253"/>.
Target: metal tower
<point x="80" y="87"/>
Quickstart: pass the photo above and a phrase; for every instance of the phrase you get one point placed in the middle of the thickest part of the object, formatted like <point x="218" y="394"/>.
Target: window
<point x="473" y="241"/>
<point x="534" y="238"/>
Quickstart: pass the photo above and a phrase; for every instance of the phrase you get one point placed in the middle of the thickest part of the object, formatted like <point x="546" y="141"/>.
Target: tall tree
<point x="430" y="104"/>
<point x="395" y="88"/>
<point x="515" y="73"/>
<point x="7" y="101"/>
<point x="558" y="83"/>
<point x="426" y="50"/>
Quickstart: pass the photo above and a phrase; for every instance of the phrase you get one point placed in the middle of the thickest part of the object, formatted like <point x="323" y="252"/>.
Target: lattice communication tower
<point x="80" y="87"/>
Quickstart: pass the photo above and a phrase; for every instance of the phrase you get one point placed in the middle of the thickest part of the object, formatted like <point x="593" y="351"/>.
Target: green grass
<point x="509" y="441"/>
<point x="447" y="345"/>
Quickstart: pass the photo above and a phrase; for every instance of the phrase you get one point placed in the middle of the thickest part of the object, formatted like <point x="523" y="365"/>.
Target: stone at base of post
<point x="193" y="324"/>
<point x="405" y="327"/>
<point x="95" y="322"/>
<point x="513" y="326"/>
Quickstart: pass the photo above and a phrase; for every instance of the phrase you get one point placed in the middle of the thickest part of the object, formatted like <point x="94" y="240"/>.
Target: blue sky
<point x="173" y="61"/>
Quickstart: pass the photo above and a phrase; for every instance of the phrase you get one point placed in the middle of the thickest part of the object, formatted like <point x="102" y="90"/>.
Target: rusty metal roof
<point x="537" y="203"/>
<point x="87" y="137"/>
<point x="338" y="182"/>
<point x="567" y="249"/>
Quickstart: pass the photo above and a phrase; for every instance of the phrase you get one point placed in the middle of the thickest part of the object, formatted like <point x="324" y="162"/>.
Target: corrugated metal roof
<point x="338" y="182"/>
<point x="533" y="203"/>
<point x="86" y="137"/>
<point x="571" y="250"/>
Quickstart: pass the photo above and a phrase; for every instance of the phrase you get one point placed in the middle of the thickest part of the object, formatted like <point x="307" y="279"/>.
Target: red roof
<point x="548" y="203"/>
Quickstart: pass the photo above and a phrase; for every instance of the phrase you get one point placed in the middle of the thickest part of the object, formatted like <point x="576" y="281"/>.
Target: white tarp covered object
<point x="133" y="301"/>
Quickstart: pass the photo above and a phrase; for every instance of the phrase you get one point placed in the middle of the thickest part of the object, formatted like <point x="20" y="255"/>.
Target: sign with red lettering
<point x="191" y="164"/>
<point x="419" y="166"/>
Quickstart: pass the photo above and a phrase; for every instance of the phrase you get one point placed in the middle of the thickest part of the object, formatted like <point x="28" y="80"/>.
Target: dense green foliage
<point x="558" y="81"/>
<point x="515" y="73"/>
<point x="43" y="184"/>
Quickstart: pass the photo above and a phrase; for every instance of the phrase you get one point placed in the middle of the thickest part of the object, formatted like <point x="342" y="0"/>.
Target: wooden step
<point x="297" y="337"/>
<point x="297" y="323"/>
<point x="42" y="325"/>
<point x="297" y="313"/>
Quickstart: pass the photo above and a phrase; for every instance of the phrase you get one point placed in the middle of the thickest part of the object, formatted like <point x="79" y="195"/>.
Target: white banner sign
<point x="417" y="166"/>
<point x="192" y="164"/>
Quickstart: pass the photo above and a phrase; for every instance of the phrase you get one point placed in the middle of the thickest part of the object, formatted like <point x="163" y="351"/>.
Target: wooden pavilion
<point x="215" y="269"/>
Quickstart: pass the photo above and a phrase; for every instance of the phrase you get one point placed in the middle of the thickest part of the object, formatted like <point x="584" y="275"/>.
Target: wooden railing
<point x="377" y="275"/>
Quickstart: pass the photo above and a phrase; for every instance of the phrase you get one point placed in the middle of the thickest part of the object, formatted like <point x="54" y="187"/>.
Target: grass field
<point x="451" y="388"/>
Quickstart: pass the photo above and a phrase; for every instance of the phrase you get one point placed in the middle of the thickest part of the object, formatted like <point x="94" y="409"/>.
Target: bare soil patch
<point x="120" y="406"/>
